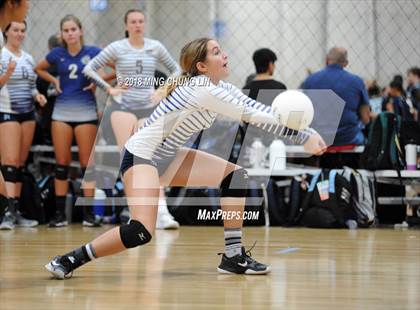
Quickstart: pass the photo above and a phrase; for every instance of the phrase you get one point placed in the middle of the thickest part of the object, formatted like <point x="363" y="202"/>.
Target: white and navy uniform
<point x="193" y="107"/>
<point x="135" y="68"/>
<point x="17" y="94"/>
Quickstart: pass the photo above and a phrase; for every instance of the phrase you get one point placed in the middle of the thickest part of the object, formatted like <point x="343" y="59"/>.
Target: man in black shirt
<point x="262" y="88"/>
<point x="264" y="60"/>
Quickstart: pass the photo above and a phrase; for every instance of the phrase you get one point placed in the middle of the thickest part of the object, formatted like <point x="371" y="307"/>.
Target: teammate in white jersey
<point x="154" y="157"/>
<point x="135" y="59"/>
<point x="10" y="10"/>
<point x="17" y="118"/>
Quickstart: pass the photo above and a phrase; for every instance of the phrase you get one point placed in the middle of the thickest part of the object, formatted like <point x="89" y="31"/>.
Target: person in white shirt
<point x="135" y="59"/>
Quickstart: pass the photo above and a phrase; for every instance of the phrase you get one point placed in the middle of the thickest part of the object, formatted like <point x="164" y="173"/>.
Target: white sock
<point x="233" y="241"/>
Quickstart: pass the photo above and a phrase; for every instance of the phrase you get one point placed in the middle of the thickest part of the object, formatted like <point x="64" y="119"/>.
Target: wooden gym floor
<point x="311" y="269"/>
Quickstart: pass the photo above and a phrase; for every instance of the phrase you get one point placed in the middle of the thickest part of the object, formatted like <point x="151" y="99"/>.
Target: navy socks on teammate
<point x="59" y="218"/>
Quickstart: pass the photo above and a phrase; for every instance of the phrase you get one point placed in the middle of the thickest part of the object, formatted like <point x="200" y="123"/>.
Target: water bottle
<point x="258" y="153"/>
<point x="99" y="203"/>
<point x="411" y="156"/>
<point x="277" y="155"/>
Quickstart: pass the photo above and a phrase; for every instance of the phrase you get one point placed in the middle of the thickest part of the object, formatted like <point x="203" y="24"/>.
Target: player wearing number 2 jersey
<point x="74" y="112"/>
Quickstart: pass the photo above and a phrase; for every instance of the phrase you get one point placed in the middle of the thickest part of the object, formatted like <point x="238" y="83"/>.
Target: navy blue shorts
<point x="129" y="160"/>
<point x="140" y="113"/>
<point x="75" y="124"/>
<point x="20" y="118"/>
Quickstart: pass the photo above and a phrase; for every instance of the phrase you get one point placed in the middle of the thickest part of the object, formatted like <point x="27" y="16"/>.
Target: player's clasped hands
<point x="315" y="144"/>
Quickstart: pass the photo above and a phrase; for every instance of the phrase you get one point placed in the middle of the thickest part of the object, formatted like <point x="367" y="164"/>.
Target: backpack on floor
<point x="327" y="202"/>
<point x="383" y="149"/>
<point x="363" y="198"/>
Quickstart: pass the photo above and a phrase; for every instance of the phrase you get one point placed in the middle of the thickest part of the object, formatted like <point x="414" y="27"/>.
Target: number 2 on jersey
<point x="73" y="71"/>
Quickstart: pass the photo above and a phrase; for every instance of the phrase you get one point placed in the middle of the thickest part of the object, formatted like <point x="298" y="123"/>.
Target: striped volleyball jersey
<point x="2" y="91"/>
<point x="135" y="68"/>
<point x="18" y="92"/>
<point x="74" y="104"/>
<point x="193" y="107"/>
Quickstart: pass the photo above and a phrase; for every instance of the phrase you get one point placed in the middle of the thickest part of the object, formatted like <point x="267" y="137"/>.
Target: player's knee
<point x="134" y="234"/>
<point x="61" y="172"/>
<point x="11" y="173"/>
<point x="235" y="184"/>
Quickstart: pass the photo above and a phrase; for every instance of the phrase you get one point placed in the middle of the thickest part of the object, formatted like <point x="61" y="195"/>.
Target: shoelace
<point x="248" y="252"/>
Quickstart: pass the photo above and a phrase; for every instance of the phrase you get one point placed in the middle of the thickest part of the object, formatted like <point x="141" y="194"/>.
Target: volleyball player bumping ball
<point x="154" y="156"/>
<point x="134" y="58"/>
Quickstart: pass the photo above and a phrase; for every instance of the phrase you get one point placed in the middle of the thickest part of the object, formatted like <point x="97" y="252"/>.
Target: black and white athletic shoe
<point x="59" y="220"/>
<point x="24" y="222"/>
<point x="8" y="221"/>
<point x="90" y="220"/>
<point x="242" y="264"/>
<point x="60" y="267"/>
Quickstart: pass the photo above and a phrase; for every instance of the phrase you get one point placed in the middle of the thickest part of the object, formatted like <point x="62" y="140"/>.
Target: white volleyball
<point x="293" y="109"/>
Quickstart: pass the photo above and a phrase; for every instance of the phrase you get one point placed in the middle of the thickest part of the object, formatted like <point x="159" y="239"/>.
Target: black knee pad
<point x="134" y="234"/>
<point x="61" y="172"/>
<point x="88" y="174"/>
<point x="11" y="173"/>
<point x="235" y="184"/>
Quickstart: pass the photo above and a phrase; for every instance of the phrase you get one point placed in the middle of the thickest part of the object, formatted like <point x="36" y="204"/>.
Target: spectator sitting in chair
<point x="352" y="90"/>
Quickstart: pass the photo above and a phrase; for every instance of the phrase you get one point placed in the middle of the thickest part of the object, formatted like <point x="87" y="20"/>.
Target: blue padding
<point x="331" y="179"/>
<point x="314" y="181"/>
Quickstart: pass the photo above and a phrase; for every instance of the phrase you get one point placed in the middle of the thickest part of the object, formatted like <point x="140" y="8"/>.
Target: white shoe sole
<point x="62" y="224"/>
<point x="7" y="227"/>
<point x="247" y="272"/>
<point x="172" y="225"/>
<point x="27" y="225"/>
<point x="58" y="274"/>
<point x="89" y="224"/>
